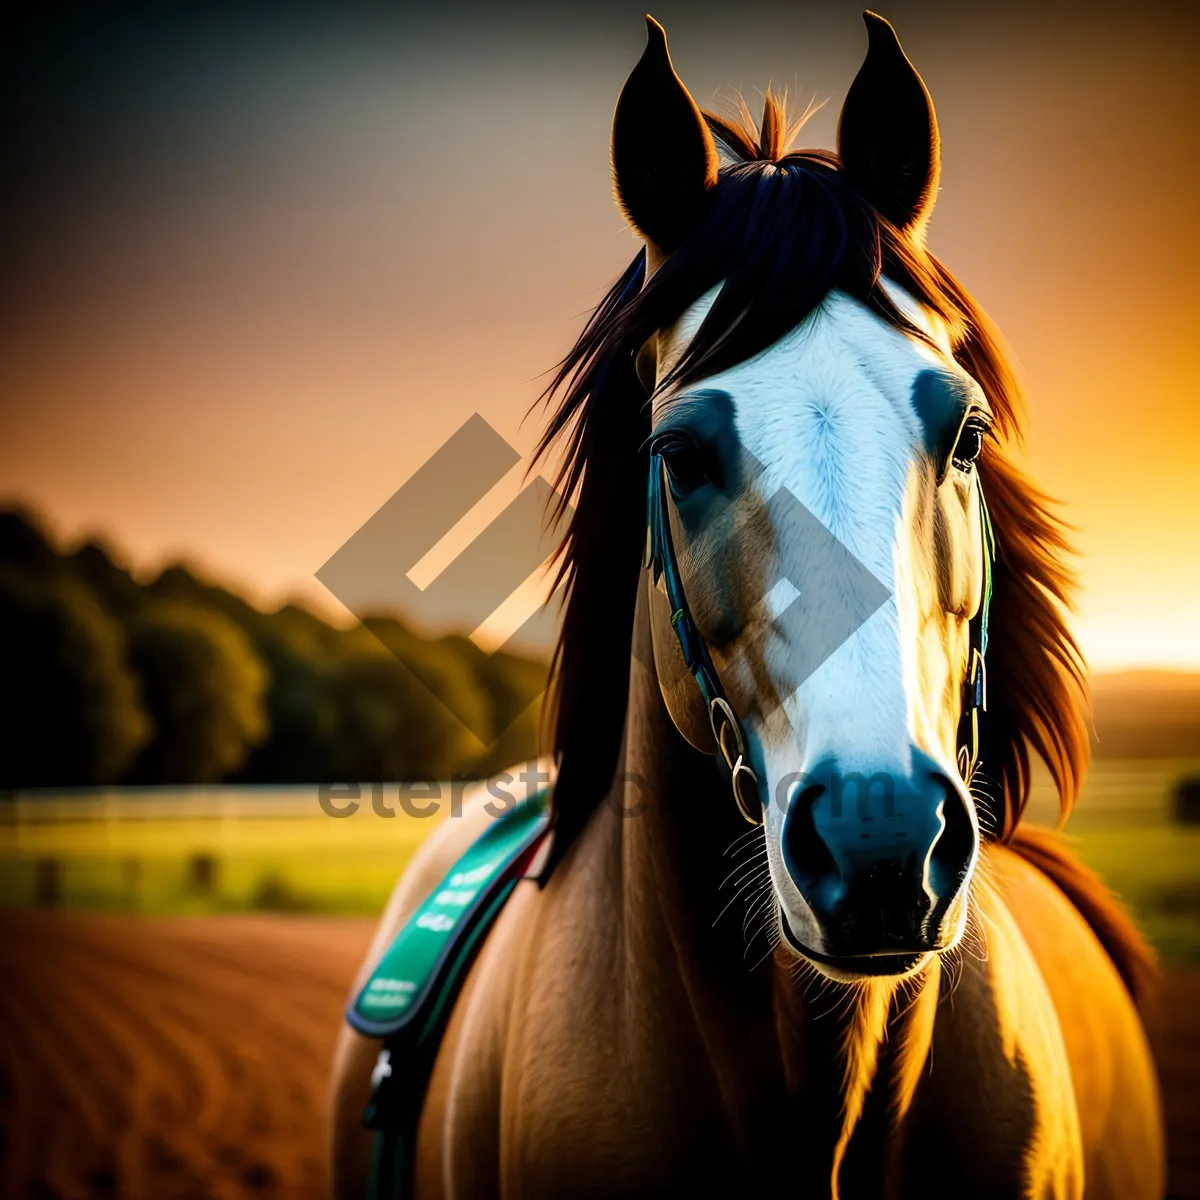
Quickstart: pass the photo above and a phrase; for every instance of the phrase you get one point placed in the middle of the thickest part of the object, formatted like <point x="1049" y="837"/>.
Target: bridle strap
<point x="727" y="730"/>
<point x="975" y="699"/>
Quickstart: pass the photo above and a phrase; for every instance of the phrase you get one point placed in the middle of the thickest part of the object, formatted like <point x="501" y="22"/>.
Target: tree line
<point x="108" y="679"/>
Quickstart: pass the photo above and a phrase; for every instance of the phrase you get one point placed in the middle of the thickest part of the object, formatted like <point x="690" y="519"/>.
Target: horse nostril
<point x="805" y="854"/>
<point x="878" y="860"/>
<point x="952" y="852"/>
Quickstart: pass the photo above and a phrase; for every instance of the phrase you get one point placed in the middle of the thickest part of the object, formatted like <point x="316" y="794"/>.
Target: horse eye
<point x="686" y="465"/>
<point x="970" y="442"/>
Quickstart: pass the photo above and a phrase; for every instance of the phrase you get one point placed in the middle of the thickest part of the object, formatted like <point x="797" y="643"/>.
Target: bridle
<point x="727" y="729"/>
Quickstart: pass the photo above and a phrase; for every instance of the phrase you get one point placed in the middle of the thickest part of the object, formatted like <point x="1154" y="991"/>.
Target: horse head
<point x="822" y="494"/>
<point x="804" y="410"/>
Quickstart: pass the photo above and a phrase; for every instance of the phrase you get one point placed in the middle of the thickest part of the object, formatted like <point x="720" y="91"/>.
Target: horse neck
<point x="669" y="831"/>
<point x="784" y="1045"/>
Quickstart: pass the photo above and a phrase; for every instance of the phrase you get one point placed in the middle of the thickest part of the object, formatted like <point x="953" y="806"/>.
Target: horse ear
<point x="888" y="135"/>
<point x="664" y="160"/>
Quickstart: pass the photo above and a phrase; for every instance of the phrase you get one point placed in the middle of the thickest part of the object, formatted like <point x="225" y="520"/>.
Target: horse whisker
<point x="740" y="868"/>
<point x="744" y="837"/>
<point x="745" y="884"/>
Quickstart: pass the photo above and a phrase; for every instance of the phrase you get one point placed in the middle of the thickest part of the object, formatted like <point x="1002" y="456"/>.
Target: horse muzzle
<point x="881" y="862"/>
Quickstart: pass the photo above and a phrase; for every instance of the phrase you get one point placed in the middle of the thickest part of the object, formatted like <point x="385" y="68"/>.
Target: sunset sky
<point x="257" y="269"/>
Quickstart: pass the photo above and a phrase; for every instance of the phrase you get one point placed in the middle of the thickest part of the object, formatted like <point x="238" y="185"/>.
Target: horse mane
<point x="783" y="228"/>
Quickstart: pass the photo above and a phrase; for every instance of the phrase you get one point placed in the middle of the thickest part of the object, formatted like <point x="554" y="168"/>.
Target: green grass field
<point x="235" y="859"/>
<point x="218" y="850"/>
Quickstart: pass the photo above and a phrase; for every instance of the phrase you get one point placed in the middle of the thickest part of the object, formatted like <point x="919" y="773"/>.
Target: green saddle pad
<point x="416" y="978"/>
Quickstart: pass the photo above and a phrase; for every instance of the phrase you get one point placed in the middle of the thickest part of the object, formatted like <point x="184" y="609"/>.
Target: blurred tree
<point x="93" y="564"/>
<point x="302" y="653"/>
<point x="24" y="544"/>
<point x="520" y="741"/>
<point x="71" y="711"/>
<point x="462" y="707"/>
<point x="391" y="728"/>
<point x="279" y="697"/>
<point x="205" y="687"/>
<point x="513" y="687"/>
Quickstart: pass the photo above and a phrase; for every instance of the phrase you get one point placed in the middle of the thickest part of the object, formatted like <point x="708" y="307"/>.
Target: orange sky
<point x="255" y="295"/>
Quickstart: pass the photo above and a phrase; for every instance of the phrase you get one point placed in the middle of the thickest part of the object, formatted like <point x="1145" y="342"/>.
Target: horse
<point x="815" y="422"/>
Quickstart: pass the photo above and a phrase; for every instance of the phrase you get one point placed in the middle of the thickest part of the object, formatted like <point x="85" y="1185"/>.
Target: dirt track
<point x="188" y="1057"/>
<point x="169" y="1057"/>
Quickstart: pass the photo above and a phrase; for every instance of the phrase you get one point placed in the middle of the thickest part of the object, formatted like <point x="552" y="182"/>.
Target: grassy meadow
<point x="221" y="849"/>
<point x="203" y="850"/>
<point x="1125" y="828"/>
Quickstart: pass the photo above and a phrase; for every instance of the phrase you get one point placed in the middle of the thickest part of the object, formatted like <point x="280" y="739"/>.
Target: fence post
<point x="47" y="882"/>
